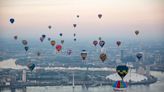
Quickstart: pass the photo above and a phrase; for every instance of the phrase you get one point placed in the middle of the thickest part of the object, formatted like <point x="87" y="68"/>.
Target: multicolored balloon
<point x="84" y="54"/>
<point x="101" y="43"/>
<point x="122" y="70"/>
<point x="120" y="85"/>
<point x="53" y="43"/>
<point x="103" y="57"/>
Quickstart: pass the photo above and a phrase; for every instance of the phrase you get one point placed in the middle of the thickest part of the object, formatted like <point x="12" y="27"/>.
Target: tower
<point x="24" y="76"/>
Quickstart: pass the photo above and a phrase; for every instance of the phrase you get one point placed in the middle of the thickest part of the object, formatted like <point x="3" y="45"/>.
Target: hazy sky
<point x="120" y="18"/>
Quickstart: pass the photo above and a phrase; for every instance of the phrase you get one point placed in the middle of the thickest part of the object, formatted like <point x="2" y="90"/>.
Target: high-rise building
<point x="24" y="76"/>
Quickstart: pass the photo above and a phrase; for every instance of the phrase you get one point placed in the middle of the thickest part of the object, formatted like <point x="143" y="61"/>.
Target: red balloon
<point x="58" y="48"/>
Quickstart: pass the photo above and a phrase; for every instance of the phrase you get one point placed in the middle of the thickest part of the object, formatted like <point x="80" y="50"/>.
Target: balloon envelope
<point x="26" y="48"/>
<point x="31" y="66"/>
<point x="122" y="70"/>
<point x="41" y="39"/>
<point x="43" y="36"/>
<point x="120" y="85"/>
<point x="118" y="43"/>
<point x="62" y="41"/>
<point x="74" y="39"/>
<point x="83" y="54"/>
<point x="58" y="48"/>
<point x="101" y="43"/>
<point x="99" y="15"/>
<point x="136" y="32"/>
<point x="15" y="37"/>
<point x="12" y="20"/>
<point x="38" y="53"/>
<point x="103" y="57"/>
<point x="95" y="43"/>
<point x="61" y="34"/>
<point x="49" y="27"/>
<point x="53" y="42"/>
<point x="139" y="55"/>
<point x="69" y="52"/>
<point x="74" y="25"/>
<point x="24" y="42"/>
<point x="49" y="39"/>
<point x="77" y="16"/>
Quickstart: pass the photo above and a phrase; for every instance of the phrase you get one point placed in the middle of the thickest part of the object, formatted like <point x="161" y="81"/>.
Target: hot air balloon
<point x="43" y="36"/>
<point x="95" y="43"/>
<point x="53" y="42"/>
<point x="61" y="34"/>
<point x="12" y="20"/>
<point x="139" y="55"/>
<point x="77" y="16"/>
<point x="99" y="16"/>
<point x="84" y="54"/>
<point x="15" y="37"/>
<point x="103" y="57"/>
<point x="101" y="43"/>
<point x="58" y="48"/>
<point x="136" y="32"/>
<point x="74" y="34"/>
<point x="120" y="85"/>
<point x="31" y="66"/>
<point x="38" y="53"/>
<point x="24" y="42"/>
<point x="41" y="39"/>
<point x="122" y="70"/>
<point x="118" y="43"/>
<point x="69" y="52"/>
<point x="74" y="39"/>
<point x="62" y="41"/>
<point x="99" y="38"/>
<point x="49" y="26"/>
<point x="49" y="39"/>
<point x="74" y="25"/>
<point x="26" y="48"/>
